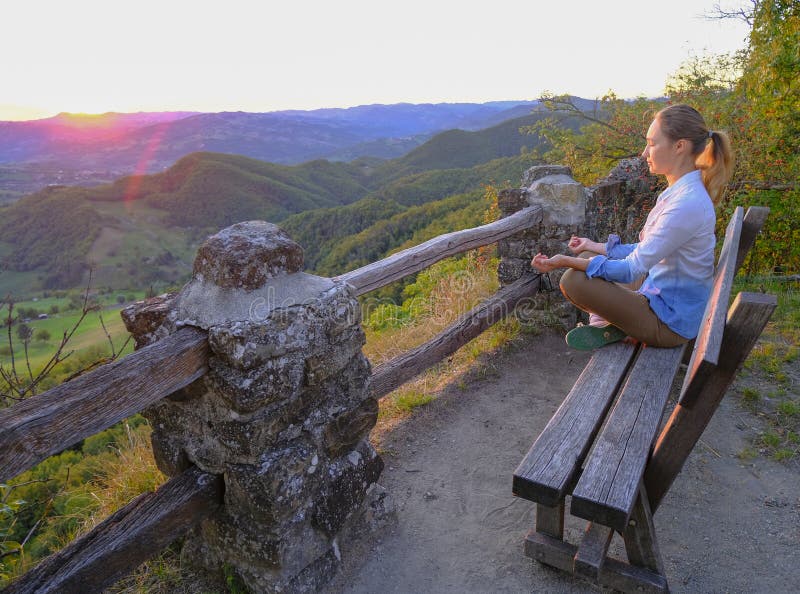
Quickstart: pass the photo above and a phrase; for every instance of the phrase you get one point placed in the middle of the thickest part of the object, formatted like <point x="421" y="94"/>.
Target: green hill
<point x="321" y="232"/>
<point x="459" y="149"/>
<point x="53" y="231"/>
<point x="215" y="190"/>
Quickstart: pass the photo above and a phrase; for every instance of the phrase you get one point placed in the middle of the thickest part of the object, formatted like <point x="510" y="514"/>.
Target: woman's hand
<point x="544" y="264"/>
<point x="580" y="244"/>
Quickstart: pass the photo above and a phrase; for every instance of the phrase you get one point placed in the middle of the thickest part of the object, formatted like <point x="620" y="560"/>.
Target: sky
<point x="94" y="56"/>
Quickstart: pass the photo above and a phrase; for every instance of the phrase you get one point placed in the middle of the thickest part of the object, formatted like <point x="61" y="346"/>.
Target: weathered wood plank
<point x="45" y="424"/>
<point x="394" y="373"/>
<point x="640" y="535"/>
<point x="554" y="460"/>
<point x="709" y="339"/>
<point x="607" y="488"/>
<point x="138" y="531"/>
<point x="614" y="574"/>
<point x="753" y="222"/>
<point x="550" y="551"/>
<point x="381" y="273"/>
<point x="550" y="520"/>
<point x="592" y="551"/>
<point x="748" y="315"/>
<point x="629" y="578"/>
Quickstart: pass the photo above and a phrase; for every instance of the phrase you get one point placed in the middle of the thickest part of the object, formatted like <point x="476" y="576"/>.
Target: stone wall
<point x="620" y="202"/>
<point x="283" y="412"/>
<point x="617" y="204"/>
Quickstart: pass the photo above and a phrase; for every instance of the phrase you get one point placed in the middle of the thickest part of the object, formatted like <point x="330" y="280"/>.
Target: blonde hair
<point x="711" y="148"/>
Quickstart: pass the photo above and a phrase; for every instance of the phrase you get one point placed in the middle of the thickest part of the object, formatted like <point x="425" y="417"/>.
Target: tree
<point x="24" y="332"/>
<point x="613" y="130"/>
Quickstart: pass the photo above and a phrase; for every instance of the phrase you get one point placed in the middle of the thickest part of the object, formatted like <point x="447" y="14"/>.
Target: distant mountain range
<point x="150" y="142"/>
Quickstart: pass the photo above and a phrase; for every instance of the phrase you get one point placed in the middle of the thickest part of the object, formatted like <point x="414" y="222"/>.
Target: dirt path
<point x="726" y="526"/>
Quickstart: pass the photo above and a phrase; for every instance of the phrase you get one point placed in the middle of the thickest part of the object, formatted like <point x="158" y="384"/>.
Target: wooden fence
<point x="46" y="424"/>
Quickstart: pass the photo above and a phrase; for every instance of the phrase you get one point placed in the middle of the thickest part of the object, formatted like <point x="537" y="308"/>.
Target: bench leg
<point x="640" y="536"/>
<point x="614" y="574"/>
<point x="550" y="520"/>
<point x="591" y="554"/>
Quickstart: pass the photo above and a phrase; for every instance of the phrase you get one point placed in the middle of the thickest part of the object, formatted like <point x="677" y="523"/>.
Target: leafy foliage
<point x="754" y="95"/>
<point x="613" y="130"/>
<point x="414" y="225"/>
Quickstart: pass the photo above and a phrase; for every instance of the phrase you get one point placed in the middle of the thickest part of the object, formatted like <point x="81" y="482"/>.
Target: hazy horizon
<point x="93" y="57"/>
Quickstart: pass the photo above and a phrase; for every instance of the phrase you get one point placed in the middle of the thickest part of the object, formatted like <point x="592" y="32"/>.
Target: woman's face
<point x="660" y="152"/>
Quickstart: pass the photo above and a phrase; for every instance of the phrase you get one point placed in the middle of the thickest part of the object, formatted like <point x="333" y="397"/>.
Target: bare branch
<point x="742" y="13"/>
<point x="565" y="105"/>
<point x="10" y="488"/>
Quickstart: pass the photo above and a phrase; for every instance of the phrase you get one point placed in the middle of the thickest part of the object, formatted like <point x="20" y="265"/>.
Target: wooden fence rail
<point x="394" y="373"/>
<point x="46" y="424"/>
<point x="381" y="273"/>
<point x="131" y="535"/>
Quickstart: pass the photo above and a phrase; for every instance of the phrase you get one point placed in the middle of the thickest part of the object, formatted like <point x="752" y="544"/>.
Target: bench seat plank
<point x="607" y="489"/>
<point x="553" y="461"/>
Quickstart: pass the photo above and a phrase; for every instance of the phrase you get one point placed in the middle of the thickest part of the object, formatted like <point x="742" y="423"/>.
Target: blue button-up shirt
<point x="675" y="251"/>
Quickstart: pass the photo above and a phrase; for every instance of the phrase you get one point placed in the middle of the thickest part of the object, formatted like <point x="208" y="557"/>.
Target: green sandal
<point x="586" y="338"/>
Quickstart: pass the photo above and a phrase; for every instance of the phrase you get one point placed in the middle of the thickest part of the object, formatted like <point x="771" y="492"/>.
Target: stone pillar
<point x="563" y="201"/>
<point x="283" y="412"/>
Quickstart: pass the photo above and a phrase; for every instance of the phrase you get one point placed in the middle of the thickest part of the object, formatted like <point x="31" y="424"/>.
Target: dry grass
<point x="129" y="474"/>
<point x="452" y="297"/>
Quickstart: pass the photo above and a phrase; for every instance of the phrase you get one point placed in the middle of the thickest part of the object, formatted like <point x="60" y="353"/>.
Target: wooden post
<point x="746" y="319"/>
<point x="591" y="555"/>
<point x="640" y="535"/>
<point x="753" y="221"/>
<point x="550" y="520"/>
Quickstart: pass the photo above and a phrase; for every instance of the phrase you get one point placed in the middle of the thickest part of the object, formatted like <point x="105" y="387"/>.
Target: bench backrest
<point x="730" y="333"/>
<point x="739" y="238"/>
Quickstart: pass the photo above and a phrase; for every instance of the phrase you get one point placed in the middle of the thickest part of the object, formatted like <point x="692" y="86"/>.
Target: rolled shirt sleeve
<point x="619" y="271"/>
<point x="617" y="250"/>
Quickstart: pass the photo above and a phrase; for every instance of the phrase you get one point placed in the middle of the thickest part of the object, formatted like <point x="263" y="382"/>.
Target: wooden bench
<point x="600" y="447"/>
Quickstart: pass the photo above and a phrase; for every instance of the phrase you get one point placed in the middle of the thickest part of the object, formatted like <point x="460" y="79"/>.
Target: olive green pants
<point x="620" y="305"/>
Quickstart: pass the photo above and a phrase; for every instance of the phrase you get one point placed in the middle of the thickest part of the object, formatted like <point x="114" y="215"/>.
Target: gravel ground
<point x="727" y="525"/>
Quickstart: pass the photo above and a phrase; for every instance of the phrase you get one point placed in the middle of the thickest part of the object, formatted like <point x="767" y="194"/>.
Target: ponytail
<point x="712" y="149"/>
<point x="715" y="162"/>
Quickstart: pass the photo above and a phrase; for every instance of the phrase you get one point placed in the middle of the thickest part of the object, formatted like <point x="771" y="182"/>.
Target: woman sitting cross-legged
<point x="654" y="291"/>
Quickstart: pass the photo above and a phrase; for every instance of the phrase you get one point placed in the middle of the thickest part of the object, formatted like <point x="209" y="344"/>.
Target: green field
<point x="88" y="343"/>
